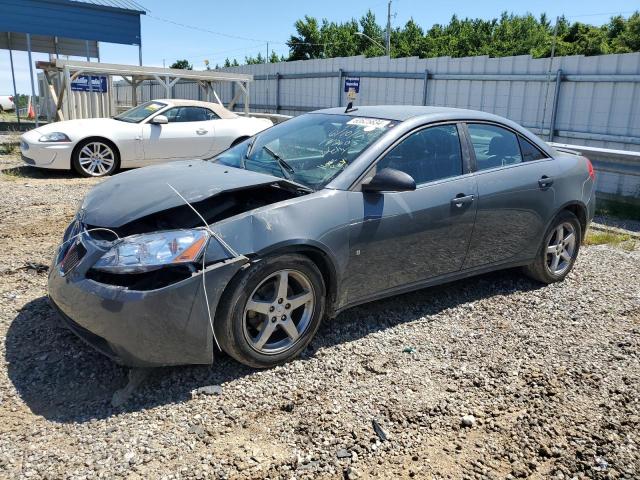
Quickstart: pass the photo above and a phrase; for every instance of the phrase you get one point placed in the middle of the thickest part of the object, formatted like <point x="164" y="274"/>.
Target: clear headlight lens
<point x="54" y="137"/>
<point x="142" y="253"/>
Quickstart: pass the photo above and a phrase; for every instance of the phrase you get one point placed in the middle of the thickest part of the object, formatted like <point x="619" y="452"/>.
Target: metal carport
<point x="67" y="27"/>
<point x="134" y="75"/>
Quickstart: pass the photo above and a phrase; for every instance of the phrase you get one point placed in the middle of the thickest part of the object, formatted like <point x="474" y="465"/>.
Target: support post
<point x="33" y="85"/>
<point x="278" y="92"/>
<point x="246" y="97"/>
<point x="13" y="78"/>
<point x="54" y="96"/>
<point x="71" y="99"/>
<point x="554" y="109"/>
<point x="90" y="82"/>
<point x="424" y="88"/>
<point x="140" y="53"/>
<point x="340" y="74"/>
<point x="134" y="91"/>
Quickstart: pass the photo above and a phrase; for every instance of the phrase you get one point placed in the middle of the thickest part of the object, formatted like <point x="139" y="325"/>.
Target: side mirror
<point x="390" y="180"/>
<point x="159" y="120"/>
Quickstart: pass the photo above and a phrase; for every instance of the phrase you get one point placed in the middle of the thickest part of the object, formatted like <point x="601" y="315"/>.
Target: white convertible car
<point x="154" y="132"/>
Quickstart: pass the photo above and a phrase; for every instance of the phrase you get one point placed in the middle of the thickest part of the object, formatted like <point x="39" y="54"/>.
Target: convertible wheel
<point x="272" y="311"/>
<point x="559" y="250"/>
<point x="95" y="158"/>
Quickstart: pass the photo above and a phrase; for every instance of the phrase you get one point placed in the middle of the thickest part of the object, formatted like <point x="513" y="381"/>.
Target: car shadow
<point x="26" y="171"/>
<point x="62" y="379"/>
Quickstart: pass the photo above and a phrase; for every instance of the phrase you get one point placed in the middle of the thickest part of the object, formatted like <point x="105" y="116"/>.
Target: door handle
<point x="462" y="199"/>
<point x="201" y="131"/>
<point x="545" y="182"/>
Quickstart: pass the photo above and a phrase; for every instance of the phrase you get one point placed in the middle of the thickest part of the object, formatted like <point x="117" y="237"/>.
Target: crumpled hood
<point x="137" y="193"/>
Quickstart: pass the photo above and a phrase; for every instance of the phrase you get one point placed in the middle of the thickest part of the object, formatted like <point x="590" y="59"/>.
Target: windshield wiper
<point x="287" y="170"/>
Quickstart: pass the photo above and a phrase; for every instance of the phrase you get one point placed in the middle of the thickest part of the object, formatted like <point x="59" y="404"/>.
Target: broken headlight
<point x="143" y="253"/>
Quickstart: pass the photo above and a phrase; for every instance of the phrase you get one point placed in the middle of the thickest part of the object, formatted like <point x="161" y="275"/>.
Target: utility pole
<point x="389" y="29"/>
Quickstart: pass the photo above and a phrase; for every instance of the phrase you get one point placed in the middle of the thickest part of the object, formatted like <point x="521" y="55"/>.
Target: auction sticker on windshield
<point x="369" y="124"/>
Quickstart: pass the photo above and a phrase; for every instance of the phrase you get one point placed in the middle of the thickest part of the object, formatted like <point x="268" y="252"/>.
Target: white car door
<point x="190" y="133"/>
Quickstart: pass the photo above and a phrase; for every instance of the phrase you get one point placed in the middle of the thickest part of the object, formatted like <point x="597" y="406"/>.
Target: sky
<point x="259" y="21"/>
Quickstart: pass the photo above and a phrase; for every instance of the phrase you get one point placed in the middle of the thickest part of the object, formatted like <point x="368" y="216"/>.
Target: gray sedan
<point x="250" y="250"/>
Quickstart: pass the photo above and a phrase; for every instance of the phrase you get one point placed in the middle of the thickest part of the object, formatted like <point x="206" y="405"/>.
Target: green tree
<point x="307" y="44"/>
<point x="253" y="60"/>
<point x="181" y="64"/>
<point x="504" y="36"/>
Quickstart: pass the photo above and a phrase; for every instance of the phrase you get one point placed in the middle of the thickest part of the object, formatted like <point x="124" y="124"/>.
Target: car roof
<point x="405" y="112"/>
<point x="218" y="109"/>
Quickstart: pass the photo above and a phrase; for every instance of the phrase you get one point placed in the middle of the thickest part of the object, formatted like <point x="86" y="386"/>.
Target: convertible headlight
<point x="142" y="253"/>
<point x="54" y="137"/>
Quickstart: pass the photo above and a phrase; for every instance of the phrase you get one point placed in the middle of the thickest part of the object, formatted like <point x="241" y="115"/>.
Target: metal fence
<point x="593" y="101"/>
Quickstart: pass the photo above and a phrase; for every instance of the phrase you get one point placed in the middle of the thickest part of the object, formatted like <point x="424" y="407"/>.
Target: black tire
<point x="77" y="152"/>
<point x="231" y="326"/>
<point x="541" y="269"/>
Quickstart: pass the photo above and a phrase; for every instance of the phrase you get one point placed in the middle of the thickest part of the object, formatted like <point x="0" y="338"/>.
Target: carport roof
<point x="121" y="4"/>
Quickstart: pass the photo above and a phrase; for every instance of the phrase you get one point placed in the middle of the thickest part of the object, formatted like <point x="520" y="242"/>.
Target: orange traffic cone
<point x="30" y="111"/>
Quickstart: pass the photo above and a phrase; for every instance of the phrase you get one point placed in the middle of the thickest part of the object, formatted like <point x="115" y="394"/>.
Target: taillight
<point x="592" y="172"/>
<point x="11" y="99"/>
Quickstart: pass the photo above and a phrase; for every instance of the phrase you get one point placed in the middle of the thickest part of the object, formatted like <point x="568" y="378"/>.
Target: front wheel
<point x="272" y="311"/>
<point x="559" y="249"/>
<point x="95" y="158"/>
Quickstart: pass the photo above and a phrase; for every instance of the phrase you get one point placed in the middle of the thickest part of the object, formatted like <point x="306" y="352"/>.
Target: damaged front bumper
<point x="149" y="328"/>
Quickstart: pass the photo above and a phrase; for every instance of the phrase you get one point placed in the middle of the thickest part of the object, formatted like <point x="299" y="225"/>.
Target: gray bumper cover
<point x="167" y="326"/>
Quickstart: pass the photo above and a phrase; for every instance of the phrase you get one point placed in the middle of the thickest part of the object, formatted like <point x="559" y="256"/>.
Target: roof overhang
<point x="95" y="20"/>
<point x="49" y="44"/>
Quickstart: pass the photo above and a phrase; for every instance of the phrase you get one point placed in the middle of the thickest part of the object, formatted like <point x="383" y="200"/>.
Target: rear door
<point x="516" y="195"/>
<point x="405" y="238"/>
<point x="190" y="133"/>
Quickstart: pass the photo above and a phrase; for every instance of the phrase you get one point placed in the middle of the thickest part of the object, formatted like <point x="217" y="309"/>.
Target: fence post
<point x="424" y="89"/>
<point x="554" y="108"/>
<point x="340" y="73"/>
<point x="277" y="92"/>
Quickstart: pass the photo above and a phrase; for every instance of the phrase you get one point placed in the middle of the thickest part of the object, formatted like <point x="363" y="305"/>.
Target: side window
<point x="494" y="146"/>
<point x="188" y="114"/>
<point x="429" y="154"/>
<point x="171" y="114"/>
<point x="210" y="115"/>
<point x="192" y="114"/>
<point x="529" y="151"/>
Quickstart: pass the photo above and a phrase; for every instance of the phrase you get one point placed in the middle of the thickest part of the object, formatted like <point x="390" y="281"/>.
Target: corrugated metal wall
<point x="598" y="98"/>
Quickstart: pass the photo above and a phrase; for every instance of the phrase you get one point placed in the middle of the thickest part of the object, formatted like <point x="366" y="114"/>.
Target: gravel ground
<point x="489" y="377"/>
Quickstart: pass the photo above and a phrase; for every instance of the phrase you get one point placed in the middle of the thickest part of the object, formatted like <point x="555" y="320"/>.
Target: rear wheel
<point x="272" y="311"/>
<point x="559" y="249"/>
<point x="95" y="158"/>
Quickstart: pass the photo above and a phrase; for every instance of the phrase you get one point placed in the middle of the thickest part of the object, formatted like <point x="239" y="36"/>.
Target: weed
<point x="623" y="240"/>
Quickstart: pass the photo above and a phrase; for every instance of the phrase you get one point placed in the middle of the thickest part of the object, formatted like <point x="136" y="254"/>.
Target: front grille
<point x="72" y="257"/>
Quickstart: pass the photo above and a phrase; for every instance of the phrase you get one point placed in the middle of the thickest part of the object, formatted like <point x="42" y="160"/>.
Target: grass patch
<point x="8" y="148"/>
<point x="597" y="237"/>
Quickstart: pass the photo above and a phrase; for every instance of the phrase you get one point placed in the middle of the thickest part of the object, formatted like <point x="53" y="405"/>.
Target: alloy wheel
<point x="96" y="159"/>
<point x="561" y="248"/>
<point x="278" y="312"/>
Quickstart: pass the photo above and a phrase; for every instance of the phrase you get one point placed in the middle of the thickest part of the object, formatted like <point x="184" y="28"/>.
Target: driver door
<point x="189" y="134"/>
<point x="399" y="239"/>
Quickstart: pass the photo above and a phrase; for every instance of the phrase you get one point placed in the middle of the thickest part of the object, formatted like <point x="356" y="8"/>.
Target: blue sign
<point x="352" y="82"/>
<point x="81" y="84"/>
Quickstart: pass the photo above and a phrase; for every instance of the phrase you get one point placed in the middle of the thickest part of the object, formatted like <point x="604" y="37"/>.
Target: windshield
<point x="311" y="149"/>
<point x="139" y="113"/>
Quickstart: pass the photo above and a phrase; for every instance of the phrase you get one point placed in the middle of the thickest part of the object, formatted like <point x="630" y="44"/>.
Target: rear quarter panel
<point x="573" y="183"/>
